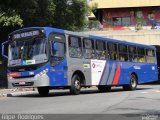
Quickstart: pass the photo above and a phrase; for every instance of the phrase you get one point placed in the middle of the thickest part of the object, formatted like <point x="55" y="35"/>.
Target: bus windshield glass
<point x="27" y="52"/>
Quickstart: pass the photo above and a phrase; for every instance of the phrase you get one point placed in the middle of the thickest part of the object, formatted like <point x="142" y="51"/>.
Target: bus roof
<point x="120" y="41"/>
<point x="51" y="29"/>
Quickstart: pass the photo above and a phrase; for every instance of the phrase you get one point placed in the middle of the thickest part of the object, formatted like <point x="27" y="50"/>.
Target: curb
<point x="3" y="95"/>
<point x="18" y="94"/>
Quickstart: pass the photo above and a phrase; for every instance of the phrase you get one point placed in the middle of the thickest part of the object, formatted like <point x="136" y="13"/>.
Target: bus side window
<point x="132" y="53"/>
<point x="112" y="51"/>
<point x="150" y="56"/>
<point x="88" y="48"/>
<point x="75" y="48"/>
<point x="100" y="50"/>
<point x="141" y="54"/>
<point x="123" y="54"/>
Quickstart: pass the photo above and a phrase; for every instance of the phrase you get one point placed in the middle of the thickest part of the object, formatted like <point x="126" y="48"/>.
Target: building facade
<point x="128" y="14"/>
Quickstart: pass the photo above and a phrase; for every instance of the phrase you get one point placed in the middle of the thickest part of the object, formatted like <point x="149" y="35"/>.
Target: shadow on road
<point x="83" y="92"/>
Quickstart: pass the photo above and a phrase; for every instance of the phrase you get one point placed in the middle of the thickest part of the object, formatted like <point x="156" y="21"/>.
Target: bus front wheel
<point x="75" y="85"/>
<point x="132" y="85"/>
<point x="43" y="91"/>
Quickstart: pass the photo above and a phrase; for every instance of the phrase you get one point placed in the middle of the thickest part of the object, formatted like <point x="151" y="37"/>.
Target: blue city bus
<point x="48" y="58"/>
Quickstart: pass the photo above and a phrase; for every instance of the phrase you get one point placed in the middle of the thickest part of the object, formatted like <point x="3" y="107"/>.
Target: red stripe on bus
<point x="117" y="75"/>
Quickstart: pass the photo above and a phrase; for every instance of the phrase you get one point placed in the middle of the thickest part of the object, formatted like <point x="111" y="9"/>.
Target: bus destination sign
<point x="26" y="34"/>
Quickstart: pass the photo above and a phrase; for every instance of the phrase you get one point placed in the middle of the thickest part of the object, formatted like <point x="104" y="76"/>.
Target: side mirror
<point x="3" y="47"/>
<point x="55" y="46"/>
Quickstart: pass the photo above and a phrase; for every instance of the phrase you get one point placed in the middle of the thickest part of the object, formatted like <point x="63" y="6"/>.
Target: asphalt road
<point x="145" y="100"/>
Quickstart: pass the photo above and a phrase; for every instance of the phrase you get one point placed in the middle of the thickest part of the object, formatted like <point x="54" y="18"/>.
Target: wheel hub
<point x="77" y="84"/>
<point x="133" y="83"/>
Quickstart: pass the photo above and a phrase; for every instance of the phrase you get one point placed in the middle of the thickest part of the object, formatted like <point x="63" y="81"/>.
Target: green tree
<point x="8" y="15"/>
<point x="70" y="14"/>
<point x="10" y="18"/>
<point x="65" y="14"/>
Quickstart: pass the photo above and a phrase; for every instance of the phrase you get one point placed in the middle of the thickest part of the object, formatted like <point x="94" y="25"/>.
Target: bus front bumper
<point x="29" y="81"/>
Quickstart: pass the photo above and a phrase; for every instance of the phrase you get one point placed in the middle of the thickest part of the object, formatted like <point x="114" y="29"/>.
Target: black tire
<point x="132" y="85"/>
<point x="104" y="88"/>
<point x="75" y="85"/>
<point x="43" y="91"/>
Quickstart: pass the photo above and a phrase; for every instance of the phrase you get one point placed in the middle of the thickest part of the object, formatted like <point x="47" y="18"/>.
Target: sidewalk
<point x="16" y="92"/>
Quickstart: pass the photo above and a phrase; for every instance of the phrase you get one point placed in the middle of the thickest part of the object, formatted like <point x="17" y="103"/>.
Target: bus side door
<point x="58" y="59"/>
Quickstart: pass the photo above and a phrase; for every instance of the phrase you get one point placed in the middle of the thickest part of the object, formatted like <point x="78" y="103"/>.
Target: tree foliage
<point x="66" y="14"/>
<point x="10" y="18"/>
<point x="70" y="14"/>
<point x="8" y="15"/>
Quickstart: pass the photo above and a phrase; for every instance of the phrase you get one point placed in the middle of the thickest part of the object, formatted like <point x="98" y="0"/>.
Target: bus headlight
<point x="41" y="73"/>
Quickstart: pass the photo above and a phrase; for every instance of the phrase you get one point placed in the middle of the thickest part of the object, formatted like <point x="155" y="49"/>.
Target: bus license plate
<point x="22" y="83"/>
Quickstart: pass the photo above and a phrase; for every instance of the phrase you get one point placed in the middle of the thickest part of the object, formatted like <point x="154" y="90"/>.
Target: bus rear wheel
<point x="132" y="85"/>
<point x="104" y="88"/>
<point x="75" y="85"/>
<point x="43" y="91"/>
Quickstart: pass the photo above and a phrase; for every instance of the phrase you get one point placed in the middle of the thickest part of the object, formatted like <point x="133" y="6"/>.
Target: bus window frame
<point x="123" y="53"/>
<point x="135" y="54"/>
<point x="104" y="50"/>
<point x="154" y="55"/>
<point x="80" y="43"/>
<point x="92" y="49"/>
<point x="109" y="52"/>
<point x="141" y="58"/>
<point x="51" y="41"/>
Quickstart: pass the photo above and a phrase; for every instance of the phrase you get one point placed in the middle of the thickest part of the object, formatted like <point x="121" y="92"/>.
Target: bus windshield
<point x="27" y="52"/>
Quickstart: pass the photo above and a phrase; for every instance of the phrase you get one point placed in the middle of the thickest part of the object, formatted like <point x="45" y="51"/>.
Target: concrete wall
<point x="124" y="3"/>
<point x="148" y="37"/>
